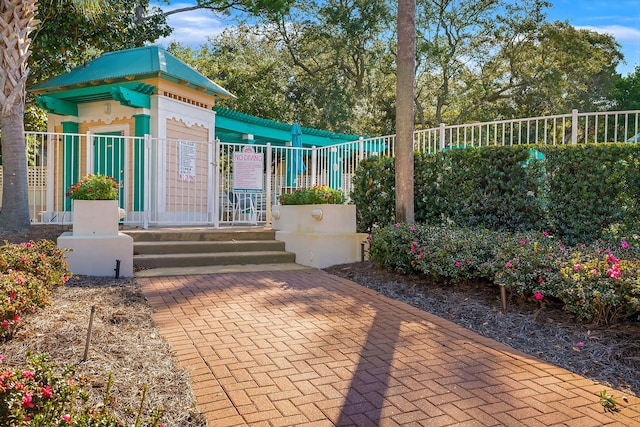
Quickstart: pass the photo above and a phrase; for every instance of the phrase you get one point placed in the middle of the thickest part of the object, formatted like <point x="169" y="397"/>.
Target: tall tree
<point x="17" y="21"/>
<point x="626" y="91"/>
<point x="405" y="72"/>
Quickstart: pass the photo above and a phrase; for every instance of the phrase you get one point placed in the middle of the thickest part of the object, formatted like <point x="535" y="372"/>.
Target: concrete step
<point x="208" y="246"/>
<point x="210" y="259"/>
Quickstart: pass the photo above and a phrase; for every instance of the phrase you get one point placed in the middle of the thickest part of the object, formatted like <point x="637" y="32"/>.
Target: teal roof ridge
<point x="141" y="62"/>
<point x="247" y="118"/>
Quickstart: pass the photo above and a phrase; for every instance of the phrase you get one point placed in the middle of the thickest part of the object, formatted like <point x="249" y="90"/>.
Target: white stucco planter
<point x="97" y="247"/>
<point x="95" y="217"/>
<point x="319" y="235"/>
<point x="314" y="218"/>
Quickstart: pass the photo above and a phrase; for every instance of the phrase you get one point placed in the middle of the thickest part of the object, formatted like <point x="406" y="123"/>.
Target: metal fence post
<point x="574" y="127"/>
<point x="216" y="182"/>
<point x="146" y="208"/>
<point x="442" y="136"/>
<point x="314" y="166"/>
<point x="268" y="179"/>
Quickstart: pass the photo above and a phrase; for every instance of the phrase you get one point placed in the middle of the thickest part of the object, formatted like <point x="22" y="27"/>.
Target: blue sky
<point x="621" y="18"/>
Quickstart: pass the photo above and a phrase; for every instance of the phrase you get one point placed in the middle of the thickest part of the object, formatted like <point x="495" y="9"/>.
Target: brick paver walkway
<point x="298" y="348"/>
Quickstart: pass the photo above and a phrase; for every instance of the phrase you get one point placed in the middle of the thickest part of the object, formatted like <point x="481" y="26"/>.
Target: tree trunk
<point x="405" y="70"/>
<point x="17" y="20"/>
<point x="15" y="191"/>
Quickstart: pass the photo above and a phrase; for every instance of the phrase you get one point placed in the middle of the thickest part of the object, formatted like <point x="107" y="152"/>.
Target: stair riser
<point x="219" y="236"/>
<point x="207" y="247"/>
<point x="205" y="260"/>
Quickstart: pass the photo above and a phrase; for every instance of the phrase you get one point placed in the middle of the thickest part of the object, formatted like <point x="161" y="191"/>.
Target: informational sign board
<point x="248" y="170"/>
<point x="187" y="161"/>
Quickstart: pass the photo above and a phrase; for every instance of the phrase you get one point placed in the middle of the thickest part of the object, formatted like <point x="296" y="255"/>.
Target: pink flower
<point x="5" y="323"/>
<point x="412" y="228"/>
<point x="20" y="279"/>
<point x="47" y="392"/>
<point x="16" y="318"/>
<point x="577" y="267"/>
<point x="544" y="233"/>
<point x="538" y="296"/>
<point x="458" y="264"/>
<point x="413" y="249"/>
<point x="27" y="400"/>
<point x="522" y="242"/>
<point x="624" y="244"/>
<point x="614" y="272"/>
<point x="66" y="417"/>
<point x="613" y="260"/>
<point x="397" y="225"/>
<point x="579" y="344"/>
<point x="595" y="272"/>
<point x="23" y="259"/>
<point x="508" y="264"/>
<point x="1" y="357"/>
<point x="27" y="374"/>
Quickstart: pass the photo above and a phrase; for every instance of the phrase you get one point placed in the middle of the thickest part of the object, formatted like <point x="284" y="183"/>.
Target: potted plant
<point x="95" y="205"/>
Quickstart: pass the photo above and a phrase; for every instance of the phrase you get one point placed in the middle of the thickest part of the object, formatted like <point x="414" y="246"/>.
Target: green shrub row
<point x="28" y="274"/>
<point x="598" y="283"/>
<point x="580" y="193"/>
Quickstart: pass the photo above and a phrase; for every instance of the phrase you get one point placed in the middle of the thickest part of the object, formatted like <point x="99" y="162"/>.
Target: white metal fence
<point x="178" y="182"/>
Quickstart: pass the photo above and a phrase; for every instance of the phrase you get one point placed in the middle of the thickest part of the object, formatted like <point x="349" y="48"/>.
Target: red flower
<point x="47" y="392"/>
<point x="27" y="401"/>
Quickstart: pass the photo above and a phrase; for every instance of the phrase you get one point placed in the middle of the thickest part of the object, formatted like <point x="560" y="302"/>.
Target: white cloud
<point x="629" y="40"/>
<point x="191" y="28"/>
<point x="621" y="33"/>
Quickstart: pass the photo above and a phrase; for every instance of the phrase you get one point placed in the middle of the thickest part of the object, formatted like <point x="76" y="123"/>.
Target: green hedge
<point x="579" y="193"/>
<point x="593" y="189"/>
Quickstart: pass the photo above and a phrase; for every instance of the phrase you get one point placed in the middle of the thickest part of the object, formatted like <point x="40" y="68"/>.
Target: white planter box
<point x="95" y="217"/>
<point x="314" y="218"/>
<point x="97" y="247"/>
<point x="319" y="235"/>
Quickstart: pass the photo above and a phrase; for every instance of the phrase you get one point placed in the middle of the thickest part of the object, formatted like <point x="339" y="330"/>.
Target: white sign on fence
<point x="187" y="161"/>
<point x="248" y="170"/>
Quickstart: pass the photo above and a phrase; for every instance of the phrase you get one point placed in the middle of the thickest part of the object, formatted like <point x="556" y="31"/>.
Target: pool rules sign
<point x="248" y="170"/>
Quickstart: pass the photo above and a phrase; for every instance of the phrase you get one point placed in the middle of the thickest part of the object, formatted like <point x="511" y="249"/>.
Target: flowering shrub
<point x="526" y="263"/>
<point x="599" y="287"/>
<point x="94" y="187"/>
<point x="44" y="395"/>
<point x="598" y="283"/>
<point x="316" y="195"/>
<point x="28" y="274"/>
<point x="452" y="254"/>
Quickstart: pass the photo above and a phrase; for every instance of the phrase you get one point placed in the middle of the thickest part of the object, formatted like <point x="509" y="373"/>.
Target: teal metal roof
<point x="132" y="64"/>
<point x="232" y="125"/>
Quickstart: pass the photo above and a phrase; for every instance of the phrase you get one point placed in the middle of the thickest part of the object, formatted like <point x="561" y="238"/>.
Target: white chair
<point x="244" y="205"/>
